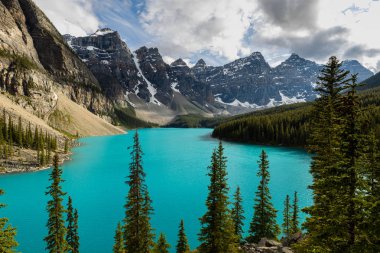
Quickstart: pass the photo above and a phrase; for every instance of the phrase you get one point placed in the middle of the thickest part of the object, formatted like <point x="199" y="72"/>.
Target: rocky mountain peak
<point x="179" y="63"/>
<point x="200" y="64"/>
<point x="355" y="67"/>
<point x="256" y="56"/>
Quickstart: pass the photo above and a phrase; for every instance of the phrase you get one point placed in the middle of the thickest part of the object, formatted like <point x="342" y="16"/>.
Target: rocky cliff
<point x="37" y="66"/>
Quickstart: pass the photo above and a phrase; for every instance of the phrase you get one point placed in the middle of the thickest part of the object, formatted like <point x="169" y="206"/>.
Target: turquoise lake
<point x="175" y="161"/>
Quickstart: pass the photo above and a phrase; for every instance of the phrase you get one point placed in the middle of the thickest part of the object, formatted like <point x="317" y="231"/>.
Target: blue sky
<point x="224" y="30"/>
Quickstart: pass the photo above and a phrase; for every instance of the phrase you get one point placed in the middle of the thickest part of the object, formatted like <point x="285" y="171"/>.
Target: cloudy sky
<point x="224" y="30"/>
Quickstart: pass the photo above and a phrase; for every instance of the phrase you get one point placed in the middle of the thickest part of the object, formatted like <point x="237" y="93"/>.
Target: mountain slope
<point x="372" y="82"/>
<point x="38" y="69"/>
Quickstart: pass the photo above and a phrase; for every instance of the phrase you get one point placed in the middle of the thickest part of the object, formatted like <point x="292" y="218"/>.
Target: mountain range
<point x="43" y="71"/>
<point x="245" y="84"/>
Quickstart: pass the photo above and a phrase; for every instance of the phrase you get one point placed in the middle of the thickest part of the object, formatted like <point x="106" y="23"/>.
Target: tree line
<point x="289" y="125"/>
<point x="23" y="136"/>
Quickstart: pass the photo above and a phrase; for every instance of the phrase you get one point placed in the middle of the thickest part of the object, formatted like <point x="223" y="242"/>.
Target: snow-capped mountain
<point x="244" y="84"/>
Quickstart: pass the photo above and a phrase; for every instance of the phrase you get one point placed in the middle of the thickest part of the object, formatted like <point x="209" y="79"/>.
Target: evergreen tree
<point x="118" y="246"/>
<point x="138" y="234"/>
<point x="66" y="148"/>
<point x="72" y="236"/>
<point x="371" y="225"/>
<point x="162" y="246"/>
<point x="7" y="234"/>
<point x="264" y="219"/>
<point x="327" y="162"/>
<point x="294" y="224"/>
<point x="238" y="215"/>
<point x="217" y="231"/>
<point x="286" y="225"/>
<point x="182" y="244"/>
<point x="55" y="240"/>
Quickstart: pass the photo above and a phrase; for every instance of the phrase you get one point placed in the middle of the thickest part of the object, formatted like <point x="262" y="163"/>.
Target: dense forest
<point x="18" y="135"/>
<point x="289" y="125"/>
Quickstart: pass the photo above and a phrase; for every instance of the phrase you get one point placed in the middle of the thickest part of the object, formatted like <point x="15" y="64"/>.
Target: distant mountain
<point x="245" y="84"/>
<point x="356" y="68"/>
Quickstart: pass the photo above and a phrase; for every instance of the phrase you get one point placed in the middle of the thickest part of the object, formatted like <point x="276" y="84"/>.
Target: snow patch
<point x="237" y="103"/>
<point x="151" y="89"/>
<point x="287" y="100"/>
<point x="91" y="48"/>
<point x="174" y="87"/>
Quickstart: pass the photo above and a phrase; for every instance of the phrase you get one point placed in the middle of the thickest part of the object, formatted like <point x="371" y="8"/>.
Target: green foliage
<point x="22" y="136"/>
<point x="217" y="229"/>
<point x="118" y="246"/>
<point x="237" y="214"/>
<point x="194" y="121"/>
<point x="294" y="222"/>
<point x="287" y="217"/>
<point x="162" y="246"/>
<point x="18" y="61"/>
<point x="7" y="234"/>
<point x="264" y="219"/>
<point x="182" y="243"/>
<point x="56" y="238"/>
<point x="72" y="236"/>
<point x="342" y="167"/>
<point x="138" y="233"/>
<point x="127" y="117"/>
<point x="288" y="125"/>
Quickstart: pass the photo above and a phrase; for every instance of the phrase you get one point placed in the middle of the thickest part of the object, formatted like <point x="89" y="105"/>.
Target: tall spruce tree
<point x="8" y="241"/>
<point x="162" y="246"/>
<point x="294" y="224"/>
<point x="56" y="238"/>
<point x="238" y="215"/>
<point x="217" y="231"/>
<point x="72" y="236"/>
<point x="182" y="243"/>
<point x="371" y="225"/>
<point x="138" y="233"/>
<point x="264" y="219"/>
<point x="118" y="246"/>
<point x="336" y="142"/>
<point x="286" y="225"/>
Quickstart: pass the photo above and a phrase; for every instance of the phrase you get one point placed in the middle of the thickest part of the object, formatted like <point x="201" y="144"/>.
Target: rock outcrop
<point x="266" y="246"/>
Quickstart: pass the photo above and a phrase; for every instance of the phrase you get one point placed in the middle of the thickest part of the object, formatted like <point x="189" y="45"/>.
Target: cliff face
<point x="35" y="60"/>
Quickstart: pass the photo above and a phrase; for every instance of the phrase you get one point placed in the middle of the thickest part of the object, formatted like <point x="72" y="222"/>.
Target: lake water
<point x="175" y="162"/>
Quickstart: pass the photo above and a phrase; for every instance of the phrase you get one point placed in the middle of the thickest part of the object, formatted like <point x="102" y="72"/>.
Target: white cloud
<point x="189" y="26"/>
<point x="76" y="17"/>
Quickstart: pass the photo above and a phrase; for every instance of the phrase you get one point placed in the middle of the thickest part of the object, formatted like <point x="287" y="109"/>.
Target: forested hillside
<point x="288" y="125"/>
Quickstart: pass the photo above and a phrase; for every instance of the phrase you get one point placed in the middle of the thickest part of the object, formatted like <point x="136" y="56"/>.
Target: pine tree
<point x="182" y="244"/>
<point x="118" y="246"/>
<point x="138" y="234"/>
<point x="264" y="219"/>
<point x="7" y="234"/>
<point x="55" y="240"/>
<point x="238" y="215"/>
<point x="72" y="236"/>
<point x="294" y="228"/>
<point x="286" y="225"/>
<point x="217" y="231"/>
<point x="66" y="148"/>
<point x="327" y="162"/>
<point x="162" y="246"/>
<point x="371" y="225"/>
